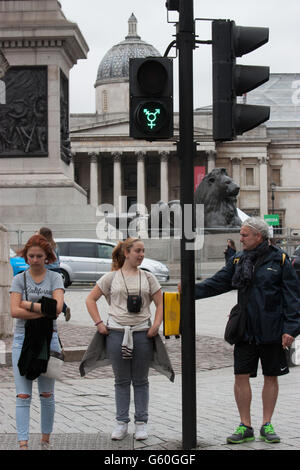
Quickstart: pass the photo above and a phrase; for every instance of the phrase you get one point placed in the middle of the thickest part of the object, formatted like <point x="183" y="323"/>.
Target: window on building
<point x="104" y="101"/>
<point x="277" y="229"/>
<point x="275" y="176"/>
<point x="251" y="212"/>
<point x="130" y="177"/>
<point x="249" y="176"/>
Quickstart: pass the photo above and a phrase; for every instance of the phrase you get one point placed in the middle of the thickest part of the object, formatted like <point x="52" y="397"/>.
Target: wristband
<point x="31" y="307"/>
<point x="98" y="323"/>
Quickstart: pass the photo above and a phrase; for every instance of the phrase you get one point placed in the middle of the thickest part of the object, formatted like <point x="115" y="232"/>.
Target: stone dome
<point x="114" y="66"/>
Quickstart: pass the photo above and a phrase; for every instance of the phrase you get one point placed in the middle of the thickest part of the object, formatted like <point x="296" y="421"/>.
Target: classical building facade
<point x="108" y="163"/>
<point x="45" y="181"/>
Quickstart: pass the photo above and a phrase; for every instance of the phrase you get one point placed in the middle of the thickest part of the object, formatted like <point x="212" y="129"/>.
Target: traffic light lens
<point x="151" y="117"/>
<point x="151" y="98"/>
<point x="152" y="77"/>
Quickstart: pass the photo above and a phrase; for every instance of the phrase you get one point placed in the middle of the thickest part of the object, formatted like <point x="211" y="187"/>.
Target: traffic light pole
<point x="185" y="45"/>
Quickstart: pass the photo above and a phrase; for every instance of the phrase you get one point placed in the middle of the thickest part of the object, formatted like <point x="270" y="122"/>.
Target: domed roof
<point x="115" y="64"/>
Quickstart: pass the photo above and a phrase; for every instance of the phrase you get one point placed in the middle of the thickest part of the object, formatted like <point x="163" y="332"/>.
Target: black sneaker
<point x="241" y="434"/>
<point x="268" y="434"/>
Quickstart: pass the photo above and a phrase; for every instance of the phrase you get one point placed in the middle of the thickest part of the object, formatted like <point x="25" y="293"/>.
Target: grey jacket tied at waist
<point x="127" y="343"/>
<point x="96" y="356"/>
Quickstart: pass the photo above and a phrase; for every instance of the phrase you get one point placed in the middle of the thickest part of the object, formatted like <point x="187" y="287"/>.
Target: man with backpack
<point x="269" y="295"/>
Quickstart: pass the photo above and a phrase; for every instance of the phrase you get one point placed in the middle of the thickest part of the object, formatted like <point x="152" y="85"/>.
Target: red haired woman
<point x="26" y="290"/>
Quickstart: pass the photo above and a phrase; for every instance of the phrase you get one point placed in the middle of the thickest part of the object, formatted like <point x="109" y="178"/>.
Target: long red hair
<point x="38" y="240"/>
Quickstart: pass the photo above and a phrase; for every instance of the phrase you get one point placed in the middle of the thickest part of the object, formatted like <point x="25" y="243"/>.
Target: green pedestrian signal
<point x="151" y="117"/>
<point x="151" y="98"/>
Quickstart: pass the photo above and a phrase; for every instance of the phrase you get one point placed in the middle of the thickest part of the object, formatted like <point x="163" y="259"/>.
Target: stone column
<point x="141" y="195"/>
<point x="100" y="159"/>
<point x="72" y="165"/>
<point x="211" y="160"/>
<point x="263" y="184"/>
<point x="117" y="180"/>
<point x="236" y="166"/>
<point x="141" y="178"/>
<point x="164" y="176"/>
<point x="41" y="46"/>
<point x="4" y="65"/>
<point x="93" y="179"/>
<point x="6" y="321"/>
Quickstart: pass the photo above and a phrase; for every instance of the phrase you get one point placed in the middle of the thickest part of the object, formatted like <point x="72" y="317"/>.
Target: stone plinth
<point x="41" y="46"/>
<point x="6" y="321"/>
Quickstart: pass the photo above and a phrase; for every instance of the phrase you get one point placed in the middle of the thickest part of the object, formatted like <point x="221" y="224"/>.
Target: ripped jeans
<point x="24" y="388"/>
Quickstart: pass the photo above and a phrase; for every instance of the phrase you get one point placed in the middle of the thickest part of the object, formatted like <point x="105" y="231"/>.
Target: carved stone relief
<point x="65" y="144"/>
<point x="24" y="115"/>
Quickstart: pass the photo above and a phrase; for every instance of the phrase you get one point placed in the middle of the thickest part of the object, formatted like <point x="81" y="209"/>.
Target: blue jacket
<point x="274" y="301"/>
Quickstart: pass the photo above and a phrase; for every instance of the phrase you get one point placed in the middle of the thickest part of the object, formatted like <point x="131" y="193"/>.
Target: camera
<point x="134" y="303"/>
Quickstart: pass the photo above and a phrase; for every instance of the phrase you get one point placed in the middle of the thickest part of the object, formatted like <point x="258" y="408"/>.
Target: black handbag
<point x="236" y="324"/>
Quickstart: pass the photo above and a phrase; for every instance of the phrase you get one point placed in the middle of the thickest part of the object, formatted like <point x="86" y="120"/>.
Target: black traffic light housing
<point x="172" y="5"/>
<point x="151" y="98"/>
<point x="231" y="80"/>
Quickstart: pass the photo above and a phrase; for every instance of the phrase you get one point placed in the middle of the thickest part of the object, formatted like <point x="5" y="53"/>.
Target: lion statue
<point x="218" y="192"/>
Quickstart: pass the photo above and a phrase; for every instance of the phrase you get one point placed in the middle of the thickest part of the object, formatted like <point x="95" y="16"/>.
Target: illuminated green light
<point x="151" y="117"/>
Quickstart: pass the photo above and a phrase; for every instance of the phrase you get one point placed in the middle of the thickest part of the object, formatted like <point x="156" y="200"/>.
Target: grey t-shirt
<point x="35" y="290"/>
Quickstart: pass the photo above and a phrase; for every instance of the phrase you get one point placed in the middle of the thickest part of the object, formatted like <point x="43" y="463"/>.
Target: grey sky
<point x="104" y="23"/>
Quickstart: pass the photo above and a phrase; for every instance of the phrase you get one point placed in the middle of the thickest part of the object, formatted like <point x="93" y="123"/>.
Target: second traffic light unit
<point x="231" y="80"/>
<point x="151" y="98"/>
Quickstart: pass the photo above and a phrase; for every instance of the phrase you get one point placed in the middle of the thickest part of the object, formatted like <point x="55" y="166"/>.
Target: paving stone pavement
<point x="85" y="406"/>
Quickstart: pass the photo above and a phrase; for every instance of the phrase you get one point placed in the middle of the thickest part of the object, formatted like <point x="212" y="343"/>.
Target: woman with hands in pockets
<point x="130" y="333"/>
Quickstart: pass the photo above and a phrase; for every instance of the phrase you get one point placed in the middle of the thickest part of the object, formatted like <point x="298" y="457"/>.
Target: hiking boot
<point x="268" y="434"/>
<point x="120" y="431"/>
<point x="241" y="434"/>
<point x="140" y="431"/>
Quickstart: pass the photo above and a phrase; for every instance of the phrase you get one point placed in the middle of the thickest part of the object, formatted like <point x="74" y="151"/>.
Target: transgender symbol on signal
<point x="151" y="117"/>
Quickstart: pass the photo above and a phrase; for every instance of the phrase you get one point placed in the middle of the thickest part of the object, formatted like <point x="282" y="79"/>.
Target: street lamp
<point x="273" y="186"/>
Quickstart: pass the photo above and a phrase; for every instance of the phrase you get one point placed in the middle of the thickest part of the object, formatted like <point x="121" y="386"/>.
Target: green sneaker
<point x="241" y="434"/>
<point x="268" y="434"/>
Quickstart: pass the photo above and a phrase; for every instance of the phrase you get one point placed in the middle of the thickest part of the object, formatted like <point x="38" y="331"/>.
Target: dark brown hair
<point x="231" y="243"/>
<point x="38" y="240"/>
<point x="47" y="233"/>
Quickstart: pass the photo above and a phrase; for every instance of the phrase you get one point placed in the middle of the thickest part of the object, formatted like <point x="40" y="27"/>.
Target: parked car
<point x="85" y="260"/>
<point x="17" y="262"/>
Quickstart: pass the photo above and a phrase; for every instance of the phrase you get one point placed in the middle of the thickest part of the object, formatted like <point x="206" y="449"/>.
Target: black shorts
<point x="272" y="357"/>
